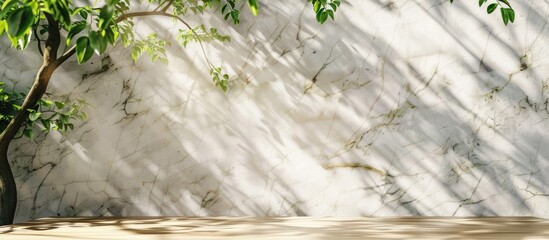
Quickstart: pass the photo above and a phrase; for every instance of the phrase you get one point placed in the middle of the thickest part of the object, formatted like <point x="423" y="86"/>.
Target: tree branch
<point x="140" y="14"/>
<point x="66" y="55"/>
<point x="54" y="38"/>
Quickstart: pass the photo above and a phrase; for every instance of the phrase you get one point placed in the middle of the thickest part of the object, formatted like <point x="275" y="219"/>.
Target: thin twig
<point x="167" y="6"/>
<point x="39" y="41"/>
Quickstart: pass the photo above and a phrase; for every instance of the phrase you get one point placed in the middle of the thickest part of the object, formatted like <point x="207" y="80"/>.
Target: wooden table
<point x="167" y="228"/>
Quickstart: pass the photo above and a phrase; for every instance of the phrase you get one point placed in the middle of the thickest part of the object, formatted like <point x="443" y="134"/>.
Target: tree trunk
<point x="8" y="189"/>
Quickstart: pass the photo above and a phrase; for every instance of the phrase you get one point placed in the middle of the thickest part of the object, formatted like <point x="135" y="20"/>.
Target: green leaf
<point x="46" y="103"/>
<point x="105" y="16"/>
<point x="6" y="7"/>
<point x="64" y="16"/>
<point x="316" y="6"/>
<point x="331" y="14"/>
<point x="508" y="15"/>
<point x="234" y="16"/>
<point x="83" y="14"/>
<point x="136" y="52"/>
<point x="492" y="7"/>
<point x="64" y="118"/>
<point x="20" y="22"/>
<point x="3" y="26"/>
<point x="20" y="42"/>
<point x="480" y="2"/>
<point x="46" y="124"/>
<point x="59" y="105"/>
<point x="76" y="28"/>
<point x="323" y="17"/>
<point x="33" y="116"/>
<point x="511" y="13"/>
<point x="253" y="6"/>
<point x="97" y="43"/>
<point x="111" y="35"/>
<point x="83" y="50"/>
<point x="27" y="132"/>
<point x="504" y="16"/>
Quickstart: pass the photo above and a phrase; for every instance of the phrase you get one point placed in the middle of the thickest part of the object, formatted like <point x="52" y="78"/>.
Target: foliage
<point x="47" y="115"/>
<point x="91" y="29"/>
<point x="507" y="12"/>
<point x="96" y="28"/>
<point x="153" y="46"/>
<point x="8" y="105"/>
<point x="325" y="9"/>
<point x="201" y="34"/>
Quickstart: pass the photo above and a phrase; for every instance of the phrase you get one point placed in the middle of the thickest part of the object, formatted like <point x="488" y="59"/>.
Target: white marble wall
<point x="396" y="108"/>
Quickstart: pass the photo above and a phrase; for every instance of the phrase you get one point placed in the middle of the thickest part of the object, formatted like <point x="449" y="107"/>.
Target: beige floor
<point x="167" y="228"/>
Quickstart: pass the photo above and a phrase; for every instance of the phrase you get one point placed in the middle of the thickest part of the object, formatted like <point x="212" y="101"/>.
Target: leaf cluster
<point x="201" y="34"/>
<point x="153" y="46"/>
<point x="91" y="29"/>
<point x="9" y="101"/>
<point x="325" y="9"/>
<point x="507" y="12"/>
<point x="49" y="115"/>
<point x="220" y="79"/>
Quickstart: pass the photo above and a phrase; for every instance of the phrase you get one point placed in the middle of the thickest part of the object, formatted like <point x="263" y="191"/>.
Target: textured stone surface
<point x="396" y="108"/>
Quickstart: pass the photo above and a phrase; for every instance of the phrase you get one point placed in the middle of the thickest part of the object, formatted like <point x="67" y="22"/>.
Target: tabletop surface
<point x="167" y="228"/>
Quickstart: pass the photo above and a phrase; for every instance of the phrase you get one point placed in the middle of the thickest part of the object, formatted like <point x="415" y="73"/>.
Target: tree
<point x="85" y="30"/>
